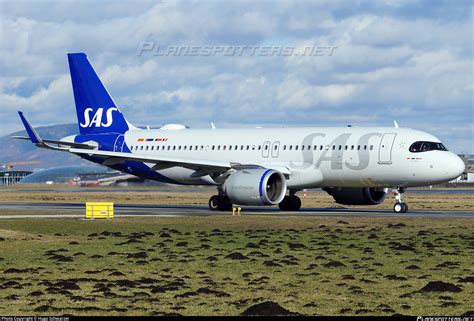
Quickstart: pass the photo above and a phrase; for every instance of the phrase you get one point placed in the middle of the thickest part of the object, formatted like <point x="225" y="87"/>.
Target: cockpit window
<point x="418" y="147"/>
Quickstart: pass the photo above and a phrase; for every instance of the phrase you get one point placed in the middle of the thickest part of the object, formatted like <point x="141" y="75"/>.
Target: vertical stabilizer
<point x="96" y="110"/>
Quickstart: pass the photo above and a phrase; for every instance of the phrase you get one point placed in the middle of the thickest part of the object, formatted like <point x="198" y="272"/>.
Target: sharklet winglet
<point x="32" y="134"/>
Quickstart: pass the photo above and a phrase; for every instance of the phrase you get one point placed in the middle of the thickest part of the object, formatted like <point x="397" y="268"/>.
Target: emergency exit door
<point x="385" y="148"/>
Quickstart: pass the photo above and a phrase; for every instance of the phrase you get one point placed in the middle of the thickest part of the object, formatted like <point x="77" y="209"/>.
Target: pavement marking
<point x="77" y="210"/>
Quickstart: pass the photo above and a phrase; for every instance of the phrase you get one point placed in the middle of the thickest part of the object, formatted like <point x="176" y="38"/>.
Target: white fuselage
<point x="315" y="157"/>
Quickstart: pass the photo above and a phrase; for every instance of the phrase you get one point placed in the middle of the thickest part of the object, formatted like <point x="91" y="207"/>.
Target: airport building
<point x="8" y="178"/>
<point x="83" y="176"/>
<point x="467" y="178"/>
<point x="62" y="174"/>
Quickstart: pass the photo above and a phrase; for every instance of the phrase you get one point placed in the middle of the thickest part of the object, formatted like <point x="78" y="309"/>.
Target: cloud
<point x="293" y="93"/>
<point x="409" y="60"/>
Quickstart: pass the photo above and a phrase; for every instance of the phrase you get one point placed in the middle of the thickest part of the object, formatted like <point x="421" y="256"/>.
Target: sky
<point x="332" y="63"/>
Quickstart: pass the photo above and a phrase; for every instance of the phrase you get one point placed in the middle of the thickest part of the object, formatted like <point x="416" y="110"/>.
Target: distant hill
<point x="15" y="150"/>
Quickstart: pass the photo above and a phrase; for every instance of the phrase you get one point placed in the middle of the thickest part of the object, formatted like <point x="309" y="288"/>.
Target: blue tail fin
<point x="96" y="110"/>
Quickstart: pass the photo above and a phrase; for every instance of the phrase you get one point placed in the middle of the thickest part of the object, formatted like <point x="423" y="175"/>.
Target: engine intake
<point x="357" y="195"/>
<point x="257" y="186"/>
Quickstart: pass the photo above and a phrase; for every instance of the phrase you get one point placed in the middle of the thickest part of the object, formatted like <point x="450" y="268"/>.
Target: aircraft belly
<point x="186" y="176"/>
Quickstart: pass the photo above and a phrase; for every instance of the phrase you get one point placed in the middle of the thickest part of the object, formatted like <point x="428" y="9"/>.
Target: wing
<point x="45" y="143"/>
<point x="203" y="167"/>
<point x="174" y="161"/>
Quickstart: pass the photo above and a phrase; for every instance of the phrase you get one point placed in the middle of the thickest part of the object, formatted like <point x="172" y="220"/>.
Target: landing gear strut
<point x="220" y="203"/>
<point x="290" y="203"/>
<point x="400" y="206"/>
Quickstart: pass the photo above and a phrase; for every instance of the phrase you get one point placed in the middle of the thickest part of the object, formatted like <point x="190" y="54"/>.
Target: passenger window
<point x="340" y="147"/>
<point x="309" y="147"/>
<point x="202" y="147"/>
<point x="266" y="147"/>
<point x="296" y="147"/>
<point x="179" y="147"/>
<point x="321" y="147"/>
<point x="358" y="147"/>
<point x="212" y="147"/>
<point x="352" y="147"/>
<point x="259" y="147"/>
<point x="248" y="147"/>
<point x="284" y="147"/>
<point x="333" y="147"/>
<point x="223" y="147"/>
<point x="253" y="147"/>
<point x="315" y="147"/>
<point x="371" y="147"/>
<point x="302" y="147"/>
<point x="174" y="147"/>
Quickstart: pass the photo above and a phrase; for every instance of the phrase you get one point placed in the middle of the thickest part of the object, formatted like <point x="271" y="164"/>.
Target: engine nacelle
<point x="357" y="195"/>
<point x="256" y="186"/>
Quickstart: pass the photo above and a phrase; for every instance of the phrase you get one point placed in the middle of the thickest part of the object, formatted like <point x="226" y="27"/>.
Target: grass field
<point x="224" y="265"/>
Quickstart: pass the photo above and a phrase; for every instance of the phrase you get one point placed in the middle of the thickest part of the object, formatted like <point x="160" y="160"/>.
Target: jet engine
<point x="256" y="186"/>
<point x="357" y="195"/>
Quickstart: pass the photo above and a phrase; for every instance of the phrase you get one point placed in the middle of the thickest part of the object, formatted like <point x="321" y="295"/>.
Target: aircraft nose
<point x="455" y="167"/>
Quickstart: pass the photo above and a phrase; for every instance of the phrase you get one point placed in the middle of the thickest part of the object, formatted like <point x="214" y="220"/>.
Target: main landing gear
<point x="400" y="206"/>
<point x="220" y="203"/>
<point x="290" y="203"/>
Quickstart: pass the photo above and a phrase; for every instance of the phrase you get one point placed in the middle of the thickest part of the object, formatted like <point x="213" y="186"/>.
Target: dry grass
<point x="200" y="196"/>
<point x="156" y="266"/>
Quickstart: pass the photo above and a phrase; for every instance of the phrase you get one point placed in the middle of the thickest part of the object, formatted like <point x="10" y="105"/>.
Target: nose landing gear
<point x="400" y="206"/>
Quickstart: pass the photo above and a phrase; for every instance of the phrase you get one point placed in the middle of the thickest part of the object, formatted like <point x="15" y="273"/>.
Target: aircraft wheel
<point x="284" y="205"/>
<point x="220" y="203"/>
<point x="295" y="203"/>
<point x="405" y="207"/>
<point x="214" y="203"/>
<point x="290" y="203"/>
<point x="400" y="208"/>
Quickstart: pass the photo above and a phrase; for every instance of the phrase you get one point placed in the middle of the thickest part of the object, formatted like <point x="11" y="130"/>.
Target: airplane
<point x="253" y="166"/>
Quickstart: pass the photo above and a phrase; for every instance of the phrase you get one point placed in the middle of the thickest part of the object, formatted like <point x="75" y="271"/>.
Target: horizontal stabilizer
<point x="60" y="142"/>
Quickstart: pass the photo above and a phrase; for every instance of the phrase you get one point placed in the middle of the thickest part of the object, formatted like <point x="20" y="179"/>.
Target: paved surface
<point x="74" y="210"/>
